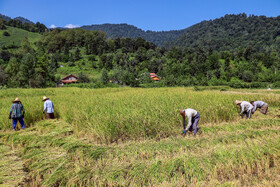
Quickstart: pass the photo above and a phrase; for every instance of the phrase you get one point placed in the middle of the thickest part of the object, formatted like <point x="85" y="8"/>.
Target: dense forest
<point x="233" y="32"/>
<point x="128" y="61"/>
<point x="130" y="31"/>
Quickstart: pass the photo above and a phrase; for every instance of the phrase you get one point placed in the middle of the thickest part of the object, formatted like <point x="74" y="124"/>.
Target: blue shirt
<point x="16" y="110"/>
<point x="48" y="106"/>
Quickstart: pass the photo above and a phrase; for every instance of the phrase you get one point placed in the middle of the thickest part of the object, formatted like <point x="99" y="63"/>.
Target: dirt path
<point x="11" y="167"/>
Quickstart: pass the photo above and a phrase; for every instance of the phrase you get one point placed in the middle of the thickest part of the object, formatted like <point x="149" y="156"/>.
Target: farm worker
<point x="193" y="119"/>
<point x="48" y="107"/>
<point x="259" y="104"/>
<point x="17" y="113"/>
<point x="246" y="108"/>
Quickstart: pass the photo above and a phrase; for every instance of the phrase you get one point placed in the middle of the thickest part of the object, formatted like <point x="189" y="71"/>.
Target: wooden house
<point x="68" y="80"/>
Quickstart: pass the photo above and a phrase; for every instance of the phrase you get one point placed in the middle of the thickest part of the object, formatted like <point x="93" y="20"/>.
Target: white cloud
<point x="52" y="26"/>
<point x="71" y="26"/>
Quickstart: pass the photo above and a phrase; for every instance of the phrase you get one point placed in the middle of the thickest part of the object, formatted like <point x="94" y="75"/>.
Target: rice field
<point x="132" y="137"/>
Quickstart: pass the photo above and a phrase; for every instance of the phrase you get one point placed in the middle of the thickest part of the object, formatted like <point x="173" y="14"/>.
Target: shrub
<point x="276" y="84"/>
<point x="237" y="83"/>
<point x="258" y="85"/>
<point x="6" y="33"/>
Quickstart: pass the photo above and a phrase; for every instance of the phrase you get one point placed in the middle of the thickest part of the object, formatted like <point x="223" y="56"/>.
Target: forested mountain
<point x="6" y="18"/>
<point x="130" y="31"/>
<point x="233" y="32"/>
<point x="23" y="20"/>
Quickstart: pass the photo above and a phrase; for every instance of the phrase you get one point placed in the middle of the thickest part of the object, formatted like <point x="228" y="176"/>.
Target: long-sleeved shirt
<point x="16" y="111"/>
<point x="245" y="106"/>
<point x="48" y="106"/>
<point x="258" y="104"/>
<point x="189" y="113"/>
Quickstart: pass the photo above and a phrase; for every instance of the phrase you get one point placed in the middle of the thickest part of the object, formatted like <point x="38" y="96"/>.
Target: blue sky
<point x="155" y="15"/>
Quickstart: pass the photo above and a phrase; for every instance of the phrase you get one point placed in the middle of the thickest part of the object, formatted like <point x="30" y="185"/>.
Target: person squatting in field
<point x="48" y="107"/>
<point x="259" y="104"/>
<point x="17" y="113"/>
<point x="246" y="108"/>
<point x="193" y="119"/>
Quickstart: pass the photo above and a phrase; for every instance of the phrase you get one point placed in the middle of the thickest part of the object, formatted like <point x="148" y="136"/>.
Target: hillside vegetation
<point x="233" y="32"/>
<point x="247" y="60"/>
<point x="131" y="137"/>
<point x="16" y="36"/>
<point x="130" y="31"/>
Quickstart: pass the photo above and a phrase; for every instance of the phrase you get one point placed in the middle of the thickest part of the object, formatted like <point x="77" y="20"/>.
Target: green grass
<point x="16" y="36"/>
<point x="70" y="151"/>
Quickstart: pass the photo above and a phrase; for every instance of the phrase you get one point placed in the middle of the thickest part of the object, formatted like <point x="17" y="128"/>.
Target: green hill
<point x="16" y="35"/>
<point x="233" y="32"/>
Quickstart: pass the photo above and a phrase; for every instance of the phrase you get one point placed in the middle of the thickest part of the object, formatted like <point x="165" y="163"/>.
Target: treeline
<point x="128" y="61"/>
<point x="38" y="27"/>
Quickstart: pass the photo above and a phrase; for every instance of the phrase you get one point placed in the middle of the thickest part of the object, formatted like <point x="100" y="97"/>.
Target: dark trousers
<point x="49" y="115"/>
<point x="15" y="120"/>
<point x="247" y="114"/>
<point x="195" y="121"/>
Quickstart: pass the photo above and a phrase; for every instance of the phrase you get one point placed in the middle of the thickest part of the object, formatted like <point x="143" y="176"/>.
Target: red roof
<point x="152" y="75"/>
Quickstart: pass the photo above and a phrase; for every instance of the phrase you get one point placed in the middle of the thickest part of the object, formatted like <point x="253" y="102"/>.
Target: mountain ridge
<point x="131" y="31"/>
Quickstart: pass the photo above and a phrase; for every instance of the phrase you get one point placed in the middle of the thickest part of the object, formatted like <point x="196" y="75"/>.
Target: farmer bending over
<point x="193" y="118"/>
<point x="48" y="107"/>
<point x="259" y="104"/>
<point x="17" y="113"/>
<point x="246" y="108"/>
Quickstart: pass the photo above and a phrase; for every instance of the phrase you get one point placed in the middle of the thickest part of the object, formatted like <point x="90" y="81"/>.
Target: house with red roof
<point x="154" y="77"/>
<point x="68" y="80"/>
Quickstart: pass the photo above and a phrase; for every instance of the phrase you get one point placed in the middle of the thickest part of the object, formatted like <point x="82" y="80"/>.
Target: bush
<point x="258" y="85"/>
<point x="217" y="82"/>
<point x="276" y="84"/>
<point x="237" y="83"/>
<point x="83" y="78"/>
<point x="6" y="33"/>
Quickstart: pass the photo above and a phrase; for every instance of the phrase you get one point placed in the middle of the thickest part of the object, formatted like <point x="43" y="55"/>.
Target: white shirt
<point x="48" y="106"/>
<point x="190" y="113"/>
<point x="245" y="106"/>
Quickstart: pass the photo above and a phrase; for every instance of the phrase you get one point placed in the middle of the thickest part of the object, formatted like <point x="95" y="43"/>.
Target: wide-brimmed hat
<point x="237" y="102"/>
<point x="16" y="100"/>
<point x="45" y="98"/>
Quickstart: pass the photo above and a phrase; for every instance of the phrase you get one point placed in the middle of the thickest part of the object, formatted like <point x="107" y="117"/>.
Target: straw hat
<point x="16" y="100"/>
<point x="45" y="98"/>
<point x="237" y="102"/>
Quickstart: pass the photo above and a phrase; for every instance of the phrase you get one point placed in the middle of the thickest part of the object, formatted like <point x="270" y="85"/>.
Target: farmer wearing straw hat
<point x="246" y="108"/>
<point x="17" y="113"/>
<point x="193" y="119"/>
<point x="48" y="107"/>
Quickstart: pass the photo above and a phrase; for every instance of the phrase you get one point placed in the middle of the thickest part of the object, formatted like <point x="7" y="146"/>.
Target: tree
<point x="104" y="76"/>
<point x="2" y="25"/>
<point x="3" y="76"/>
<point x="83" y="78"/>
<point x="77" y="54"/>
